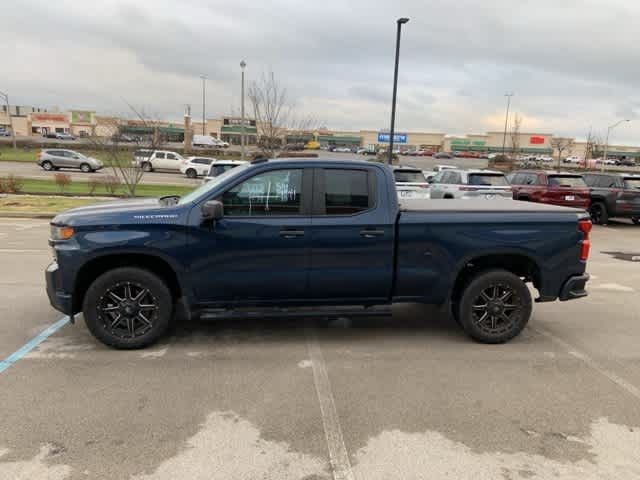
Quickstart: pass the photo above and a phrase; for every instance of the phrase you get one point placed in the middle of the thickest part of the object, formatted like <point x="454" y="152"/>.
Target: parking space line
<point x="31" y="344"/>
<point x="24" y="250"/>
<point x="338" y="456"/>
<point x="621" y="382"/>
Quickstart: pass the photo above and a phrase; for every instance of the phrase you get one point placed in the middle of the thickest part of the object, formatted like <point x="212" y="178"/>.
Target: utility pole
<point x="5" y="96"/>
<point x="506" y="120"/>
<point x="399" y="22"/>
<point x="243" y="64"/>
<point x="204" y="80"/>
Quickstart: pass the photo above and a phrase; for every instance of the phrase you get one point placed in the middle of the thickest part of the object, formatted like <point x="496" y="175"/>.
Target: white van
<point x="208" y="141"/>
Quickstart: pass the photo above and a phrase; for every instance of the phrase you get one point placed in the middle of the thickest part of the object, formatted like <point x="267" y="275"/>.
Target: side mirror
<point x="212" y="210"/>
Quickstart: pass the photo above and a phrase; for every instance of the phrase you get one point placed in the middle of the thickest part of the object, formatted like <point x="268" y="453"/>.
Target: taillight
<point x="585" y="226"/>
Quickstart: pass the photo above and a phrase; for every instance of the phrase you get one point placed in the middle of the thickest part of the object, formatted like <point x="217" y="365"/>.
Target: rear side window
<point x="160" y="155"/>
<point x="488" y="180"/>
<point x="566" y="181"/>
<point x="607" y="182"/>
<point x="408" y="176"/>
<point x="632" y="183"/>
<point x="346" y="192"/>
<point x="171" y="156"/>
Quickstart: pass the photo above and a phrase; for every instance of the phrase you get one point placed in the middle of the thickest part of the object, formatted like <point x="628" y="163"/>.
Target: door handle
<point x="291" y="233"/>
<point x="366" y="233"/>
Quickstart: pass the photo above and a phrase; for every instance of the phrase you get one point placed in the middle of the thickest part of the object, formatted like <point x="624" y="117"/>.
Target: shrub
<point x="62" y="180"/>
<point x="111" y="184"/>
<point x="11" y="184"/>
<point x="93" y="184"/>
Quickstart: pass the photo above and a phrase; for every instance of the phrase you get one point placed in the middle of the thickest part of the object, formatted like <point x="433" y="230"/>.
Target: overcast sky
<point x="572" y="64"/>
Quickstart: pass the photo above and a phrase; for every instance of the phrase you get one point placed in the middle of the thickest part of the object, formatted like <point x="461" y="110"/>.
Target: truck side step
<point x="295" y="312"/>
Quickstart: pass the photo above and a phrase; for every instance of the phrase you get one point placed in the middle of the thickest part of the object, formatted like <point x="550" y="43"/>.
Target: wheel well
<point x="520" y="265"/>
<point x="96" y="267"/>
<point x="447" y="196"/>
<point x="524" y="198"/>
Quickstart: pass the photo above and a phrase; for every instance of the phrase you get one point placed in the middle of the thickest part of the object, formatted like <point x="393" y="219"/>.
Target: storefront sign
<point x="536" y="140"/>
<point x="81" y="116"/>
<point x="465" y="142"/>
<point x="48" y="117"/>
<point x="397" y="138"/>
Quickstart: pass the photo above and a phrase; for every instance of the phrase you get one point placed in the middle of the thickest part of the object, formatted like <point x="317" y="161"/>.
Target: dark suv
<point x="613" y="195"/>
<point x="555" y="188"/>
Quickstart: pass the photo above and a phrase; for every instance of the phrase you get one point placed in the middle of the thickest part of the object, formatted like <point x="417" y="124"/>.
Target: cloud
<point x="571" y="64"/>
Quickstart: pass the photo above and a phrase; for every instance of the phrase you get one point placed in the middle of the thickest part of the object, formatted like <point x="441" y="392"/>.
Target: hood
<point x="147" y="210"/>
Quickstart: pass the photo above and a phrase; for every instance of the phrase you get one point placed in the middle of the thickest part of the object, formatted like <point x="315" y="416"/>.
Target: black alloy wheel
<point x="128" y="310"/>
<point x="495" y="306"/>
<point x="598" y="213"/>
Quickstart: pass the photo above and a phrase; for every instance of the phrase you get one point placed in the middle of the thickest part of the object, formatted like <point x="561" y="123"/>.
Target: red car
<point x="555" y="188"/>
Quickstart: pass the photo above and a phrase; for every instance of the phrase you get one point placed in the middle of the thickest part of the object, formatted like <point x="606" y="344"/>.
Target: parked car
<point x="249" y="239"/>
<point x="117" y="138"/>
<point x="49" y="135"/>
<point x="208" y="141"/>
<point x="628" y="162"/>
<point x="555" y="188"/>
<point x="441" y="155"/>
<point x="64" y="136"/>
<point x="193" y="167"/>
<point x="366" y="151"/>
<point x="342" y="149"/>
<point x="150" y="160"/>
<point x="410" y="182"/>
<point x="613" y="195"/>
<point x="574" y="159"/>
<point x="4" y="132"/>
<point x="476" y="184"/>
<point x="219" y="167"/>
<point x="57" y="158"/>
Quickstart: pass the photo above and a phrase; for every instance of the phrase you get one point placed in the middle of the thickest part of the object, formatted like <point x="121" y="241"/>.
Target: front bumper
<point x="59" y="299"/>
<point x="574" y="288"/>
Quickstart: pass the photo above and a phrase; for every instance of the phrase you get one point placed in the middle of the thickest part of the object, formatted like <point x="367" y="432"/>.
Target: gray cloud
<point x="571" y="63"/>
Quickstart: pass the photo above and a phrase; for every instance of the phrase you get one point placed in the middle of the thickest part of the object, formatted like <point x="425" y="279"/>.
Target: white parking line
<point x="338" y="456"/>
<point x="621" y="382"/>
<point x="24" y="250"/>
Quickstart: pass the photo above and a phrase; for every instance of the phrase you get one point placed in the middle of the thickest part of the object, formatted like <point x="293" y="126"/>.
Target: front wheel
<point x="128" y="308"/>
<point x="47" y="165"/>
<point x="191" y="173"/>
<point x="85" y="167"/>
<point x="598" y="213"/>
<point x="146" y="167"/>
<point x="495" y="306"/>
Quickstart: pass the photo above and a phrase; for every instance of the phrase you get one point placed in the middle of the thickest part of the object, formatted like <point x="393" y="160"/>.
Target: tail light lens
<point x="585" y="226"/>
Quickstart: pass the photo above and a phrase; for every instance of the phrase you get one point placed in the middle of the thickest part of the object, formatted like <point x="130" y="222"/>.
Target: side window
<point x="446" y="176"/>
<point x="171" y="156"/>
<point x="530" y="179"/>
<point x="278" y="192"/>
<point x="346" y="192"/>
<point x="159" y="155"/>
<point x="607" y="182"/>
<point x="455" y="178"/>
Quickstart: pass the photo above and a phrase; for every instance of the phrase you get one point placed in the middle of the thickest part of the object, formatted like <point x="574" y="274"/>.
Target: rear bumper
<point x="574" y="288"/>
<point x="59" y="299"/>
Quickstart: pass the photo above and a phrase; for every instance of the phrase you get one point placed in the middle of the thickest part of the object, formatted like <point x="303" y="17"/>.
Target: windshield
<point x="409" y="176"/>
<point x="632" y="183"/>
<point x="207" y="187"/>
<point x="488" y="179"/>
<point x="566" y="181"/>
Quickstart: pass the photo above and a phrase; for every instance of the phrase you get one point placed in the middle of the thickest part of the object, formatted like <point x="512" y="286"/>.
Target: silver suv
<point x="487" y="184"/>
<point x="56" y="158"/>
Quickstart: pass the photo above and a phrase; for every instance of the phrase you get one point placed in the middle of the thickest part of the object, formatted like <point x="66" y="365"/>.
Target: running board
<point x="295" y="312"/>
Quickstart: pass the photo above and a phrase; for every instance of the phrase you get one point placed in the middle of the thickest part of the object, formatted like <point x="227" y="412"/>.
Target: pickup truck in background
<point x="302" y="237"/>
<point x="613" y="195"/>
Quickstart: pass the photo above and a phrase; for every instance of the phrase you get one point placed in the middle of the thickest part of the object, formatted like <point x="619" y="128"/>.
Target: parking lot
<point x="402" y="397"/>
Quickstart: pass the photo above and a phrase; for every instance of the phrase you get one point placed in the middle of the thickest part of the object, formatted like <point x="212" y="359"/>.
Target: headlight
<point x="61" y="233"/>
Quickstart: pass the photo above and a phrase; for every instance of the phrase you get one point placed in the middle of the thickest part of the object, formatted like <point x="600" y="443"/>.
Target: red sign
<point x="536" y="140"/>
<point x="48" y="117"/>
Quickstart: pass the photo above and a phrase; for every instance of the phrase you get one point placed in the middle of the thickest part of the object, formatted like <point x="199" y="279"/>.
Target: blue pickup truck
<point x="307" y="238"/>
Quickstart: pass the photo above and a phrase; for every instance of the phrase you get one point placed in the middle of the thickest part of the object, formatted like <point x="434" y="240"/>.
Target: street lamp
<point x="506" y="120"/>
<point x="204" y="80"/>
<point x="399" y="22"/>
<point x="243" y="64"/>
<point x="606" y="143"/>
<point x="5" y="97"/>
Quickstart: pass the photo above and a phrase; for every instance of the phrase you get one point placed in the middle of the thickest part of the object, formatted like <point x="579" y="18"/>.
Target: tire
<point x="598" y="212"/>
<point x="191" y="173"/>
<point x="112" y="310"/>
<point x="636" y="220"/>
<point x="85" y="167"/>
<point x="147" y="167"/>
<point x="47" y="165"/>
<point x="494" y="321"/>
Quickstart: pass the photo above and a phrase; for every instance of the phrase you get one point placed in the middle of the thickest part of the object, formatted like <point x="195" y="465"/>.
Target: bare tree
<point x="274" y="114"/>
<point x="593" y="147"/>
<point x="515" y="136"/>
<point x="560" y="145"/>
<point x="127" y="170"/>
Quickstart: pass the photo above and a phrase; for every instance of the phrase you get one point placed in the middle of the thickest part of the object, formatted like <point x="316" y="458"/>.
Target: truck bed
<point x="481" y="206"/>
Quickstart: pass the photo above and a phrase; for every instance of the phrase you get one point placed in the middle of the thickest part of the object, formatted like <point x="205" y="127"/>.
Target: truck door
<point x="259" y="250"/>
<point x="352" y="235"/>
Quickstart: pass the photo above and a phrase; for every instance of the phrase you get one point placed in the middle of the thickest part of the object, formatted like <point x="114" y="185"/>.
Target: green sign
<point x="465" y="142"/>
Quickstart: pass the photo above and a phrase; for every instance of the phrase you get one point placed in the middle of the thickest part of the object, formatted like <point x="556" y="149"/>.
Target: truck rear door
<point x="352" y="235"/>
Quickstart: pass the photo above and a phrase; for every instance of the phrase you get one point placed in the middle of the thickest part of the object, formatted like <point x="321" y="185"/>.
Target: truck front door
<point x="352" y="236"/>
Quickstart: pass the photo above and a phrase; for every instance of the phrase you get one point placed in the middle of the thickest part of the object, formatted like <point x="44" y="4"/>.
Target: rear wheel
<point x="598" y="213"/>
<point x="495" y="306"/>
<point x="128" y="308"/>
<point x="85" y="167"/>
<point x="47" y="165"/>
<point x="191" y="173"/>
<point x="146" y="167"/>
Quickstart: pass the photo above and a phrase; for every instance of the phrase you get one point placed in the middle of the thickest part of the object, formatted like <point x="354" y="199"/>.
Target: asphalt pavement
<point x="407" y="397"/>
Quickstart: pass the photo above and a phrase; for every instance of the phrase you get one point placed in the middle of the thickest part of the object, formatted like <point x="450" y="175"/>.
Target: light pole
<point x="243" y="64"/>
<point x="399" y="22"/>
<point x="506" y="120"/>
<point x="5" y="96"/>
<point x="606" y="142"/>
<point x="204" y="81"/>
